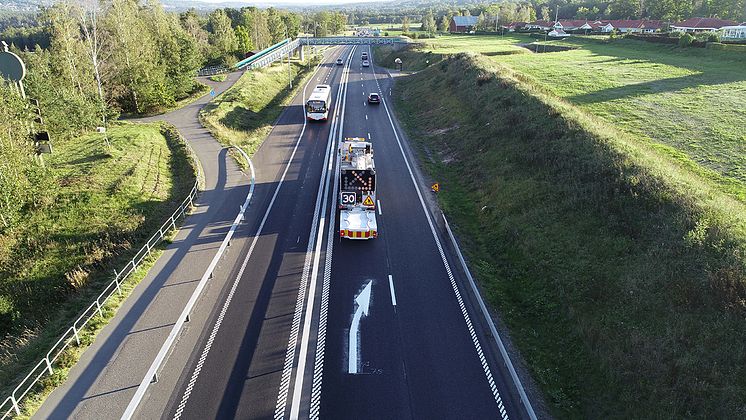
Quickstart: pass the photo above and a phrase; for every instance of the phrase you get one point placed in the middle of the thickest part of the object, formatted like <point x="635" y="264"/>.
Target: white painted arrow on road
<point x="363" y="304"/>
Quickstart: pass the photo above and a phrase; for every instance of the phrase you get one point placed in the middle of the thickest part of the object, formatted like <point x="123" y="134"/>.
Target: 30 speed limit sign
<point x="348" y="199"/>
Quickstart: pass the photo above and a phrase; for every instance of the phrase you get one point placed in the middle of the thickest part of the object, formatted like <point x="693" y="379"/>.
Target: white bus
<point x="317" y="106"/>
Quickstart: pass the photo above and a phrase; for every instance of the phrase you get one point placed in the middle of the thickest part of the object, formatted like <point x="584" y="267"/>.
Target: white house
<point x="734" y="33"/>
<point x="701" y="25"/>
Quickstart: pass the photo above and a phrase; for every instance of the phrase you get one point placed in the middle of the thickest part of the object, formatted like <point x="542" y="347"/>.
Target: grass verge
<point x="243" y="115"/>
<point x="104" y="203"/>
<point x="619" y="271"/>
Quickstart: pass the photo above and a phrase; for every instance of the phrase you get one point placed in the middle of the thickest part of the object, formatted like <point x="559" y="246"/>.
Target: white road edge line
<point x="176" y="329"/>
<point x="493" y="330"/>
<point x="391" y="287"/>
<point x="380" y="212"/>
<point x="300" y="370"/>
<point x="464" y="312"/>
<point x="281" y="404"/>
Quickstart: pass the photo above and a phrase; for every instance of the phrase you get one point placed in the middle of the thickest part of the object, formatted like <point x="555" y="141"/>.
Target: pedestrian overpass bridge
<point x="289" y="47"/>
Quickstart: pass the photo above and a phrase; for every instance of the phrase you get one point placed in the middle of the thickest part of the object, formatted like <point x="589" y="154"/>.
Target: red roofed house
<point x="701" y="25"/>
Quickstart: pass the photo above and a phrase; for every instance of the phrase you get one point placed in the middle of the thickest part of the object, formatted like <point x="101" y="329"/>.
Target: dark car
<point x="374" y="98"/>
<point x="365" y="56"/>
<point x="339" y="62"/>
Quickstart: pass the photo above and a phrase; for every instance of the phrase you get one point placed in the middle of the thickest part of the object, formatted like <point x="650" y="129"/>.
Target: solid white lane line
<point x="380" y="212"/>
<point x="391" y="287"/>
<point x="229" y="298"/>
<point x="318" y="367"/>
<point x="308" y="317"/>
<point x="282" y="395"/>
<point x="454" y="286"/>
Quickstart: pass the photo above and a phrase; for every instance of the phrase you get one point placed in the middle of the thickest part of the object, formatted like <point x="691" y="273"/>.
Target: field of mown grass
<point x="244" y="114"/>
<point x="619" y="270"/>
<point x="489" y="45"/>
<point x="101" y="204"/>
<point x="688" y="99"/>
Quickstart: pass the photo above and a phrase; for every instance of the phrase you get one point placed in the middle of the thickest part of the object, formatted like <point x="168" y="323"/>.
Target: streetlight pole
<point x="290" y="78"/>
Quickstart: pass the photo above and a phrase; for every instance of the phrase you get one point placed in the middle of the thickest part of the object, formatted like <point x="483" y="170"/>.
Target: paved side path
<point x="107" y="375"/>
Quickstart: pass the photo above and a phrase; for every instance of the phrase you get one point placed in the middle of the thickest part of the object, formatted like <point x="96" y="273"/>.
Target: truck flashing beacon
<point x="357" y="190"/>
<point x="317" y="106"/>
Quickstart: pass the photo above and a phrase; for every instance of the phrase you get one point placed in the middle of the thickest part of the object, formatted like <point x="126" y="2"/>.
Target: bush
<point x="712" y="37"/>
<point x="385" y="34"/>
<point x="686" y="40"/>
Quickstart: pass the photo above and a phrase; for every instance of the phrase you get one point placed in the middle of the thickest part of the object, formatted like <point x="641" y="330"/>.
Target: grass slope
<point x="690" y="100"/>
<point x="102" y="204"/>
<point x="618" y="270"/>
<point x="244" y="114"/>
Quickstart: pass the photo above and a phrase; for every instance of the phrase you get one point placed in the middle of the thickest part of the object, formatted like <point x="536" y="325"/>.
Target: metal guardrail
<point x="152" y="374"/>
<point x="212" y="70"/>
<point x="486" y="313"/>
<point x="12" y="404"/>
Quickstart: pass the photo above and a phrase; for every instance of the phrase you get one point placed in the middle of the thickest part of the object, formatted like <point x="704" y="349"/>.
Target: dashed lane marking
<point x="393" y="295"/>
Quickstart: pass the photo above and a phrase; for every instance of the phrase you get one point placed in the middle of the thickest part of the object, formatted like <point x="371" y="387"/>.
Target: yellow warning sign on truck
<point x="368" y="202"/>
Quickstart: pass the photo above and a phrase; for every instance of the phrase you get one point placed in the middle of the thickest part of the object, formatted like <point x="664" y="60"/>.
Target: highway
<point x="297" y="323"/>
<point x="268" y="351"/>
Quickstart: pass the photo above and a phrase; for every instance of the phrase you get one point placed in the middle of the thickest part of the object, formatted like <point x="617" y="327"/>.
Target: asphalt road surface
<point x="293" y="310"/>
<point x="274" y="353"/>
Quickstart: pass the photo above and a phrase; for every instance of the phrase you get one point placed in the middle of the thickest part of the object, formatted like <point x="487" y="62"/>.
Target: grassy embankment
<point x="103" y="203"/>
<point x="618" y="269"/>
<point x="689" y="99"/>
<point x="244" y="114"/>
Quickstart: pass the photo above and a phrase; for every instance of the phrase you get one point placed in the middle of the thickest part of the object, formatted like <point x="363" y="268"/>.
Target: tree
<point x="222" y="37"/>
<point x="194" y="27"/>
<point x="244" y="39"/>
<point x="405" y="24"/>
<point x="444" y="23"/>
<point x="428" y="23"/>
<point x="276" y="27"/>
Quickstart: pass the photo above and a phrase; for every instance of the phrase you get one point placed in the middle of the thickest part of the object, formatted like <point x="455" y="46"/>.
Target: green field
<point x="688" y="99"/>
<point x="489" y="45"/>
<point x="101" y="203"/>
<point x="244" y="114"/>
<point x="618" y="271"/>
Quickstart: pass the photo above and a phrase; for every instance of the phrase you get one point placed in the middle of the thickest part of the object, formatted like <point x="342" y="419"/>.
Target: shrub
<point x="713" y="37"/>
<point x="686" y="40"/>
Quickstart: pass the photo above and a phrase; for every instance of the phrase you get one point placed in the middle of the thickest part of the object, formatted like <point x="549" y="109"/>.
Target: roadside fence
<point x="12" y="405"/>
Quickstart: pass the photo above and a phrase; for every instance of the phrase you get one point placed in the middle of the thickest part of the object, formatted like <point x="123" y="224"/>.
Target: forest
<point x="90" y="62"/>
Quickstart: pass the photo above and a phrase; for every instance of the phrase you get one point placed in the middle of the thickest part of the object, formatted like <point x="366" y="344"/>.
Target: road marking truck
<point x="357" y="190"/>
